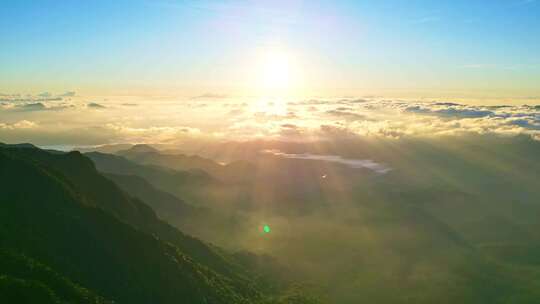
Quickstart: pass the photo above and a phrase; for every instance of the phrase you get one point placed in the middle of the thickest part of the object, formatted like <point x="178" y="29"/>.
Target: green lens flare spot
<point x="266" y="229"/>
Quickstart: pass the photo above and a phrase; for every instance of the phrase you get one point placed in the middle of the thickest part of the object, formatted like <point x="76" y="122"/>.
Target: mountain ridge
<point x="67" y="204"/>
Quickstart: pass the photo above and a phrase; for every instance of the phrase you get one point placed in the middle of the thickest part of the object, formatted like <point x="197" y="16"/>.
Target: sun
<point x="273" y="75"/>
<point x="276" y="75"/>
<point x="276" y="71"/>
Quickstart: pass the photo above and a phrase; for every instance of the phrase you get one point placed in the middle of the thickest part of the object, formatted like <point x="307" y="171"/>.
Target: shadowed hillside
<point x="96" y="242"/>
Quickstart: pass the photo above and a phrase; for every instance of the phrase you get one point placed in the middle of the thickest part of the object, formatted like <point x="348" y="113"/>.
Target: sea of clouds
<point x="66" y="118"/>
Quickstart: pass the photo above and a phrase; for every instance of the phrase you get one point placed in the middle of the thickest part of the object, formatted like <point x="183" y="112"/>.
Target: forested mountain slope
<point x="86" y="239"/>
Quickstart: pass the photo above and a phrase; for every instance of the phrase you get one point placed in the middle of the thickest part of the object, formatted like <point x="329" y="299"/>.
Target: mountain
<point x="23" y="145"/>
<point x="120" y="165"/>
<point x="112" y="148"/>
<point x="143" y="155"/>
<point x="283" y="185"/>
<point x="234" y="172"/>
<point x="172" y="209"/>
<point x="451" y="222"/>
<point x="165" y="204"/>
<point x="88" y="239"/>
<point x="182" y="184"/>
<point x="276" y="179"/>
<point x="139" y="148"/>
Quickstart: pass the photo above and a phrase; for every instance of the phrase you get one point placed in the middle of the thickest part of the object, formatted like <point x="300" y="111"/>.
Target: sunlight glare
<point x="276" y="72"/>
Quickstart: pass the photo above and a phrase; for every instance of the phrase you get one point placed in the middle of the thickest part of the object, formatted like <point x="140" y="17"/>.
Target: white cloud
<point x="170" y="121"/>
<point x="152" y="134"/>
<point x="23" y="124"/>
<point x="351" y="163"/>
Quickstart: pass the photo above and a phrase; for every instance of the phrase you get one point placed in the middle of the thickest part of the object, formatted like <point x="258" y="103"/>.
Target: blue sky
<point x="339" y="47"/>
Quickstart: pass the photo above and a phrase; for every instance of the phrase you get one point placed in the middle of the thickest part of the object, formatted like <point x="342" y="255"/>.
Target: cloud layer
<point x="70" y="119"/>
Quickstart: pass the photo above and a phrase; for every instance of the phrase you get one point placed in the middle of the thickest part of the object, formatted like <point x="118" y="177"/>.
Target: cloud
<point x="235" y="112"/>
<point x="386" y="119"/>
<point x="450" y="104"/>
<point x="326" y="131"/>
<point x="40" y="102"/>
<point x="95" y="105"/>
<point x="291" y="132"/>
<point x="23" y="124"/>
<point x="358" y="100"/>
<point x="40" y="106"/>
<point x="304" y="120"/>
<point x="68" y="94"/>
<point x="263" y="116"/>
<point x="530" y="124"/>
<point x="351" y="163"/>
<point x="289" y="126"/>
<point x="449" y="110"/>
<point x="463" y="112"/>
<point x="315" y="102"/>
<point x="210" y="96"/>
<point x="196" y="105"/>
<point x="152" y="134"/>
<point x="346" y="114"/>
<point x="28" y="99"/>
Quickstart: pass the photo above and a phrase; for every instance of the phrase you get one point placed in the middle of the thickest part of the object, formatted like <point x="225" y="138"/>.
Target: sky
<point x="410" y="49"/>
